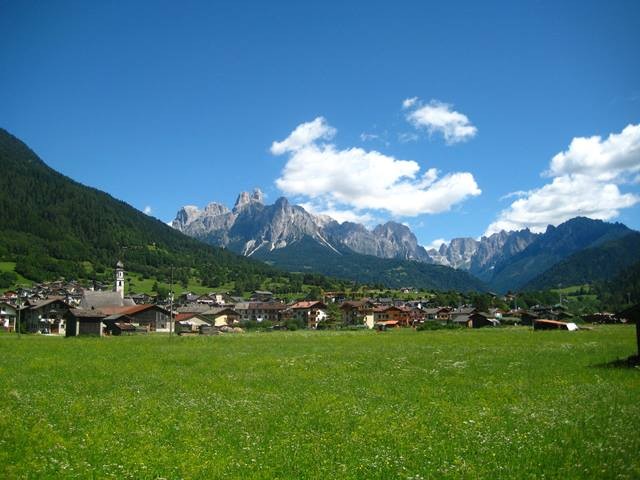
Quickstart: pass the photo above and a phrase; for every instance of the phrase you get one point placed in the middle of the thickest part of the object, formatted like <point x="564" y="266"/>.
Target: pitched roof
<point x="130" y="310"/>
<point x="83" y="313"/>
<point x="98" y="300"/>
<point x="260" y="306"/>
<point x="41" y="303"/>
<point x="307" y="304"/>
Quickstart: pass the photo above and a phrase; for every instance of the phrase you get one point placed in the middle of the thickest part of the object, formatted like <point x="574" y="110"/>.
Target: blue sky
<point x="163" y="104"/>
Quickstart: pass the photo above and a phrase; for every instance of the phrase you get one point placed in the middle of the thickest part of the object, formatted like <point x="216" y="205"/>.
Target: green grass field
<point x="492" y="403"/>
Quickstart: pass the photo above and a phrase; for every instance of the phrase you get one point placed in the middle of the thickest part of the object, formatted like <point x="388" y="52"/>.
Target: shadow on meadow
<point x="630" y="362"/>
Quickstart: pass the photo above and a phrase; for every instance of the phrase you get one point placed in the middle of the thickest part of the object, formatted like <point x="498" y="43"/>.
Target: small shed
<point x="545" y="324"/>
<point x="384" y="325"/>
<point x="84" y="322"/>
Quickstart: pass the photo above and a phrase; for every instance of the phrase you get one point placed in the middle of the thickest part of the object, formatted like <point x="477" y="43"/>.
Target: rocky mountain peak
<point x="185" y="216"/>
<point x="246" y="198"/>
<point x="215" y="209"/>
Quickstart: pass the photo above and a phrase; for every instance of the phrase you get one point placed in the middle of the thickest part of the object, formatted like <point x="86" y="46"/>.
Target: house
<point x="119" y="323"/>
<point x="190" y="322"/>
<point x="482" y="319"/>
<point x="357" y="313"/>
<point x="84" y="322"/>
<point x="262" y="296"/>
<point x="221" y="316"/>
<point x="153" y="317"/>
<point x="475" y="320"/>
<point x="545" y="324"/>
<point x="334" y="297"/>
<point x="260" y="311"/>
<point x="311" y="312"/>
<point x="193" y="308"/>
<point x="440" y="314"/>
<point x="401" y="315"/>
<point x="46" y="315"/>
<point x="120" y="328"/>
<point x="8" y="316"/>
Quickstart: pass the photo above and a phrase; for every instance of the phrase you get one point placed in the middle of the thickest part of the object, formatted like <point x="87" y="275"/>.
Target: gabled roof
<point x="307" y="304"/>
<point x="260" y="306"/>
<point x="132" y="310"/>
<point x="352" y="304"/>
<point x="83" y="313"/>
<point x="98" y="300"/>
<point x="47" y="301"/>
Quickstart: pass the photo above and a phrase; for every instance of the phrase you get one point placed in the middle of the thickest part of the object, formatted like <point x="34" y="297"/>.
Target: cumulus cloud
<point x="305" y="134"/>
<point x="565" y="197"/>
<point x="606" y="160"/>
<point x="364" y="179"/>
<point x="586" y="181"/>
<point x="438" y="117"/>
<point x="148" y="210"/>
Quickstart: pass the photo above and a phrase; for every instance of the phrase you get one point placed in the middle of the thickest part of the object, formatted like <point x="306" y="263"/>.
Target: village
<point x="69" y="309"/>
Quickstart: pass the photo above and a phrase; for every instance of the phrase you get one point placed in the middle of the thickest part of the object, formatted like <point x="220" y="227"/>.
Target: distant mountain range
<point x="52" y="226"/>
<point x="290" y="237"/>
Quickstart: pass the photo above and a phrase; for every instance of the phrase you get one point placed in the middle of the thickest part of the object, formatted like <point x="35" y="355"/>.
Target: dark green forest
<point x="54" y="227"/>
<point x="370" y="270"/>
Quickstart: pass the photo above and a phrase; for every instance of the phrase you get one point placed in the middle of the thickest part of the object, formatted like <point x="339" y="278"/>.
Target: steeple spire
<point x="120" y="278"/>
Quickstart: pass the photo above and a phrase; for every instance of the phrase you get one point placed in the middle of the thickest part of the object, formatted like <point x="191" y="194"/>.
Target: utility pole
<point x="171" y="305"/>
<point x="18" y="303"/>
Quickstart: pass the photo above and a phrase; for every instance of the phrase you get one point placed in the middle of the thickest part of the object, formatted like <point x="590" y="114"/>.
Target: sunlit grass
<point x="493" y="403"/>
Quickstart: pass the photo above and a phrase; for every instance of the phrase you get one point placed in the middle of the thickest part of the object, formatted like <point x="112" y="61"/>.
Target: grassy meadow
<point x="491" y="403"/>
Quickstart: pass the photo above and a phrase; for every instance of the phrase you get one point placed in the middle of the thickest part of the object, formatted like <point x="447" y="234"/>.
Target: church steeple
<point x="120" y="278"/>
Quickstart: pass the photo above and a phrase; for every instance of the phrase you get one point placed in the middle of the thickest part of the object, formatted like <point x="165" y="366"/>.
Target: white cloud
<point x="365" y="137"/>
<point x="435" y="245"/>
<point x="409" y="102"/>
<point x="147" y="210"/>
<point x="406" y="137"/>
<point x="518" y="193"/>
<point x="565" y="197"/>
<point x="586" y="183"/>
<point x="438" y="117"/>
<point x="364" y="179"/>
<point x="305" y="134"/>
<point x="606" y="159"/>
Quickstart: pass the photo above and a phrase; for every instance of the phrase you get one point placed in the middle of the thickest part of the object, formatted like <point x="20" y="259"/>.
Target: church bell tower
<point x="120" y="278"/>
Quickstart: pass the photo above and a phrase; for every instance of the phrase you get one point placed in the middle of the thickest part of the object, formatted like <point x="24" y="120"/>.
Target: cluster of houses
<point x="69" y="309"/>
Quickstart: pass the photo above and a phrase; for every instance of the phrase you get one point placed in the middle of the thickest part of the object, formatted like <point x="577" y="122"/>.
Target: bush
<point x="7" y="279"/>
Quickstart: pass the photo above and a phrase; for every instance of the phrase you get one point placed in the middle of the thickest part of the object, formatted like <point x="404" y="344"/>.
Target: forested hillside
<point x="52" y="226"/>
<point x="309" y="256"/>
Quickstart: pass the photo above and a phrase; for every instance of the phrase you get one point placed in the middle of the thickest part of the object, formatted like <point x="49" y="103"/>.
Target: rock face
<point x="480" y="257"/>
<point x="457" y="254"/>
<point x="503" y="260"/>
<point x="391" y="240"/>
<point x="252" y="226"/>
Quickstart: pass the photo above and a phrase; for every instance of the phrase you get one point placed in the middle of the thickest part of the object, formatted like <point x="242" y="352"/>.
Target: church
<point x="110" y="311"/>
